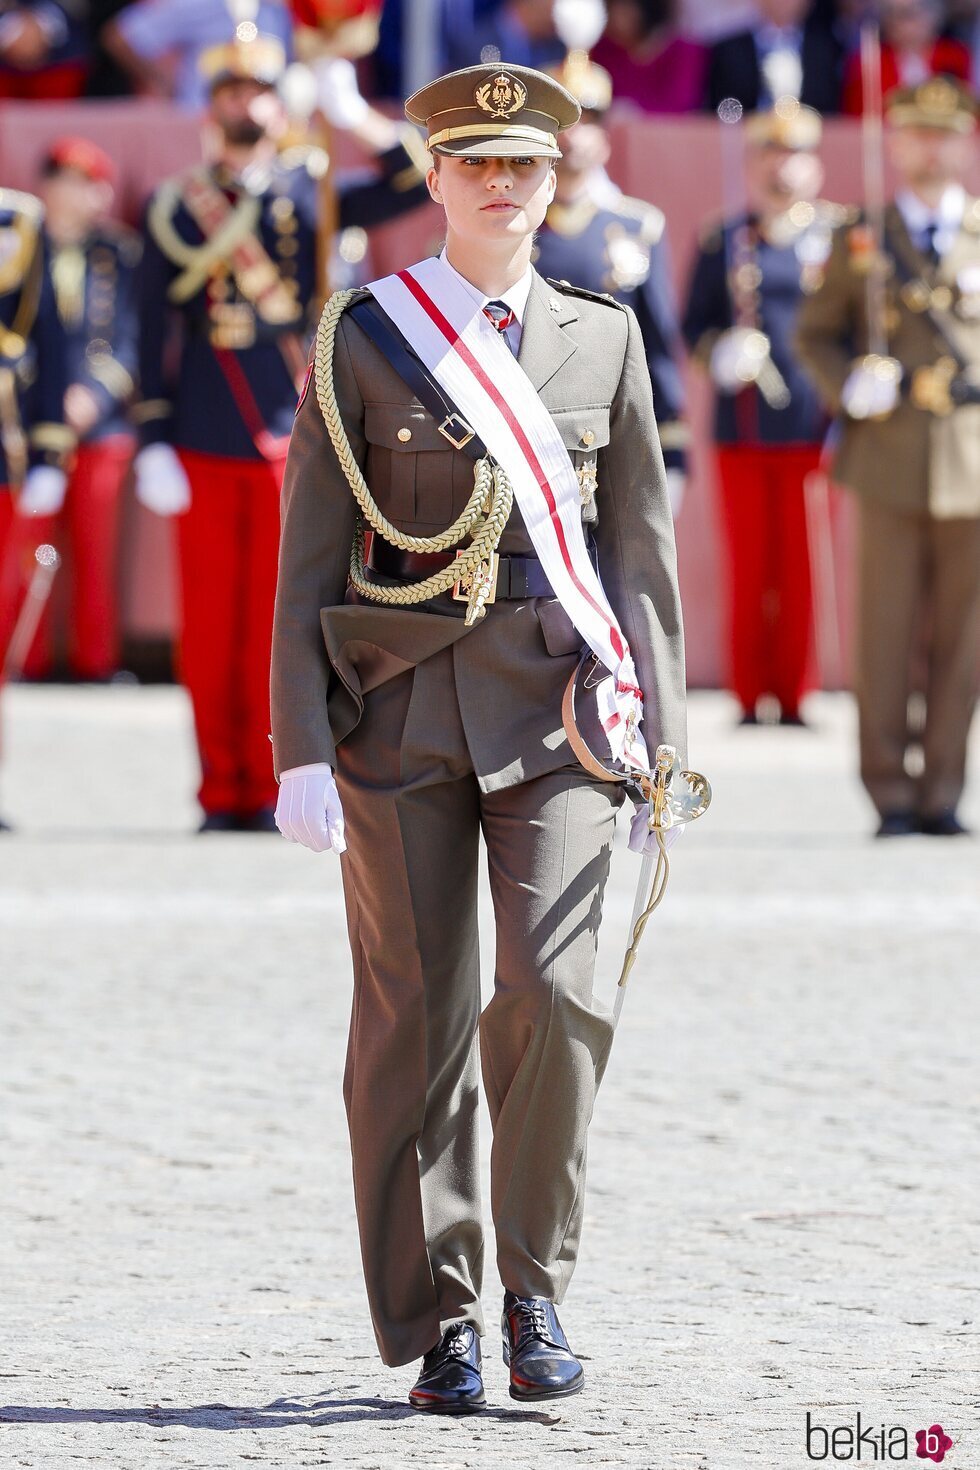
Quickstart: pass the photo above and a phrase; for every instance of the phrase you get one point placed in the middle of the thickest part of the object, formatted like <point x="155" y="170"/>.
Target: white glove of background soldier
<point x="337" y="93"/>
<point x="161" y="481"/>
<point x="736" y="358"/>
<point x="308" y="810"/>
<point x="43" y="491"/>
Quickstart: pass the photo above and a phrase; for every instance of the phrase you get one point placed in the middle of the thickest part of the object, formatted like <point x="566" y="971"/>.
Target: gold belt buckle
<point x="466" y="587"/>
<point x="464" y="432"/>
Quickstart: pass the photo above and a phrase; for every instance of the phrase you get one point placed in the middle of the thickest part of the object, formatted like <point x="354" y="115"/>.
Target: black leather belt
<point x="518" y="577"/>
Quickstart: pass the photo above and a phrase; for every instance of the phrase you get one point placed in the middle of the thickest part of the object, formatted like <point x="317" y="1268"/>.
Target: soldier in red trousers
<point x="93" y="267"/>
<point x="231" y="253"/>
<point x="748" y="280"/>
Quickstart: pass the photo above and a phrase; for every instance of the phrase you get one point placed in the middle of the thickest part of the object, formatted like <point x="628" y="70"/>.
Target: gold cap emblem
<point x="501" y="96"/>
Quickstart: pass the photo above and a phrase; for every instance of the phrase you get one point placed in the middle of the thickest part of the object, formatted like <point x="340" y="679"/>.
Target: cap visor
<point x="496" y="148"/>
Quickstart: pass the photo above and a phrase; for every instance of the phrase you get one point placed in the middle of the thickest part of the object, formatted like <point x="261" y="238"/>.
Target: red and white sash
<point x="469" y="358"/>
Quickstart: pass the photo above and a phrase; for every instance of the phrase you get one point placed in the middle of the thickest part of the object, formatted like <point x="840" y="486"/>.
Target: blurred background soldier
<point x="93" y="267"/>
<point x="910" y="447"/>
<point x="744" y="294"/>
<point x="596" y="237"/>
<point x="232" y="249"/>
<point x="33" y="437"/>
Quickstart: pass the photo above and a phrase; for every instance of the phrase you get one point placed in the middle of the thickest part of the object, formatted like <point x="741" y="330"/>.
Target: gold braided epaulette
<point x="485" y="515"/>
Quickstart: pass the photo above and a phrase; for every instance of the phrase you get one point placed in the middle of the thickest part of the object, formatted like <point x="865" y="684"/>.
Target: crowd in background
<point x="664" y="56"/>
<point x="192" y="358"/>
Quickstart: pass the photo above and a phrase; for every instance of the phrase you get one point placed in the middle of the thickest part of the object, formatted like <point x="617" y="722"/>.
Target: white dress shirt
<point x="947" y="217"/>
<point x="515" y="298"/>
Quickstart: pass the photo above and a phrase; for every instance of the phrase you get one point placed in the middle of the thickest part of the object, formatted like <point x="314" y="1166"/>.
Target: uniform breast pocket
<point x="584" y="432"/>
<point x="410" y="464"/>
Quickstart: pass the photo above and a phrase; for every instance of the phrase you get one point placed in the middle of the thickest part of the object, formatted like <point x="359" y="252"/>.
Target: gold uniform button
<point x="588" y="438"/>
<point x="404" y="435"/>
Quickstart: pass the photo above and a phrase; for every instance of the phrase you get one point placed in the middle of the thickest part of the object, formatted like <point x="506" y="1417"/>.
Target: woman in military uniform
<point x="407" y="720"/>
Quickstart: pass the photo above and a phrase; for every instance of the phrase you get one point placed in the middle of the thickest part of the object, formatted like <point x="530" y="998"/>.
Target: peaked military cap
<point x="939" y="102"/>
<point x="789" y="124"/>
<point x="248" y="56"/>
<point x="494" y="111"/>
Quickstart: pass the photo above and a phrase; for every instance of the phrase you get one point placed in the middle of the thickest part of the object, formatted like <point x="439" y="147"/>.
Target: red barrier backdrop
<point x="674" y="162"/>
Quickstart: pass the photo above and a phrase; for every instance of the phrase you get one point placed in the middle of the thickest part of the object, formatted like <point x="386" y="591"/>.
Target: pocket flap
<point x="560" y="634"/>
<point x="405" y="428"/>
<point x="583" y="430"/>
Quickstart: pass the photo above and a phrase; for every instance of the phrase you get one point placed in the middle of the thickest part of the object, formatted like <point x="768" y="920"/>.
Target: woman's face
<point x="493" y="198"/>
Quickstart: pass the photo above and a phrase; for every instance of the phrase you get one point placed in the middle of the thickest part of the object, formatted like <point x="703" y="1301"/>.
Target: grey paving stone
<point x="783" y="1202"/>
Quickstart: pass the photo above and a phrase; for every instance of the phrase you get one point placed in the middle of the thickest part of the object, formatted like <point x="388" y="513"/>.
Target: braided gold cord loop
<point x="492" y="498"/>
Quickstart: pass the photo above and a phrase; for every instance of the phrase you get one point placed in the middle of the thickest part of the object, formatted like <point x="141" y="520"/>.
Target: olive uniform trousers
<point x="414" y="812"/>
<point x="918" y="592"/>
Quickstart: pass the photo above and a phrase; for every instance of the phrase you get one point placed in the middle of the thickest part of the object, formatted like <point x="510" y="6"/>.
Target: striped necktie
<point x="500" y="316"/>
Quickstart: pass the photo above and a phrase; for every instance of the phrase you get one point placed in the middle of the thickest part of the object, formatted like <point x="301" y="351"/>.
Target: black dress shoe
<point x="449" y="1380"/>
<point x="898" y="824"/>
<point x="943" y="824"/>
<point x="542" y="1365"/>
<point x="793" y="719"/>
<point x="219" y="822"/>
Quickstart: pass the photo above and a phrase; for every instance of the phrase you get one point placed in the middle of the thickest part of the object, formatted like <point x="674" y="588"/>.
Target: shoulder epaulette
<point x="653" y="220"/>
<point x="17" y="202"/>
<point x="601" y="296"/>
<point x="358" y="293"/>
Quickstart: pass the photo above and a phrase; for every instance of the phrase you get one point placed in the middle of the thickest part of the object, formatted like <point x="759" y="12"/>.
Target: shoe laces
<point x="455" y="1340"/>
<point x="532" y="1318"/>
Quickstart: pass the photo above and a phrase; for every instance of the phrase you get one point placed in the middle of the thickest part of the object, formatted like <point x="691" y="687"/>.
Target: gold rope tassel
<point x="485" y="515"/>
<point x="657" y="890"/>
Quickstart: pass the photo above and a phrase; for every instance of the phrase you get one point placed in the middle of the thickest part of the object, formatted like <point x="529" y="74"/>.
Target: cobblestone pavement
<point x="783" y="1201"/>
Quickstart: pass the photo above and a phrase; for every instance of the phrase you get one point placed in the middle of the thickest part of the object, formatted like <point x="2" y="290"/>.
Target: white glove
<point x="643" y="840"/>
<point x="43" y="492"/>
<point x="337" y="93"/>
<point x="871" y="388"/>
<point x="736" y="358"/>
<point x="308" y="810"/>
<point x="676" y="485"/>
<point x="161" y="481"/>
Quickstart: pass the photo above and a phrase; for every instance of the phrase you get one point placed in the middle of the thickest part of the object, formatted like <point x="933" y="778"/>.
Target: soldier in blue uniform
<point x="231" y="253"/>
<point x="747" y="283"/>
<point x="596" y="237"/>
<point x="93" y="266"/>
<point x="34" y="439"/>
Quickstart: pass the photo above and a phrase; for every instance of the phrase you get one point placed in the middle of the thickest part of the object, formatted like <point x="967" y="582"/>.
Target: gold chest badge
<point x="502" y="96"/>
<point x="588" y="480"/>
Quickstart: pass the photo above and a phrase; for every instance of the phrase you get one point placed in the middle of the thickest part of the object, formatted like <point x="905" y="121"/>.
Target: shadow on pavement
<point x="281" y="1414"/>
